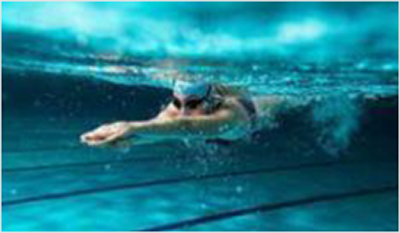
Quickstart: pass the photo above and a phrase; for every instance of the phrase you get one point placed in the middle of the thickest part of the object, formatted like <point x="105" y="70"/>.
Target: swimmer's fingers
<point x="106" y="135"/>
<point x="99" y="134"/>
<point x="92" y="137"/>
<point x="103" y="142"/>
<point x="87" y="137"/>
<point x="111" y="140"/>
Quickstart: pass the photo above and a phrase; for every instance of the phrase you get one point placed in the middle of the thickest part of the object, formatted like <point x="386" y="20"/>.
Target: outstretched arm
<point x="197" y="126"/>
<point x="164" y="128"/>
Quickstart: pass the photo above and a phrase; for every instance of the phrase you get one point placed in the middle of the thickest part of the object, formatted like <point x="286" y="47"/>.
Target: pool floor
<point x="51" y="183"/>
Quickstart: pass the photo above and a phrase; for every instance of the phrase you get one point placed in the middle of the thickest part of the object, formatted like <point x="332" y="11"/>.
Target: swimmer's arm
<point x="200" y="126"/>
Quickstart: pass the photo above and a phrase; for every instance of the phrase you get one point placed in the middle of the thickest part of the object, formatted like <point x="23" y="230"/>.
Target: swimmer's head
<point x="197" y="89"/>
<point x="191" y="97"/>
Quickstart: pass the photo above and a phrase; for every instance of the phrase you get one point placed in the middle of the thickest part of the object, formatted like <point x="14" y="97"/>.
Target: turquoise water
<point x="331" y="165"/>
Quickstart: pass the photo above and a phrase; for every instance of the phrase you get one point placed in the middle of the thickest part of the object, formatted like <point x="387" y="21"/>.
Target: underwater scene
<point x="199" y="116"/>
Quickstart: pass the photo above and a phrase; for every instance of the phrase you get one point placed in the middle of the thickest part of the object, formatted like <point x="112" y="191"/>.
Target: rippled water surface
<point x="269" y="47"/>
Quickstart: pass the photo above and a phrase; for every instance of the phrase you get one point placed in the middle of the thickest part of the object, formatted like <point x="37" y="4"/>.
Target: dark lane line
<point x="271" y="207"/>
<point x="44" y="149"/>
<point x="16" y="132"/>
<point x="87" y="164"/>
<point x="145" y="184"/>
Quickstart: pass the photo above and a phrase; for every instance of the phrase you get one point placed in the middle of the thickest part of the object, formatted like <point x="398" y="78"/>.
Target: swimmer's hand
<point x="114" y="134"/>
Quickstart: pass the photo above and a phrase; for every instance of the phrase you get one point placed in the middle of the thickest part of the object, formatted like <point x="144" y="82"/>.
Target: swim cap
<point x="185" y="89"/>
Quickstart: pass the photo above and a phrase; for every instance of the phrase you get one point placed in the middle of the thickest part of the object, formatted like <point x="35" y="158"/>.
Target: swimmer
<point x="198" y="110"/>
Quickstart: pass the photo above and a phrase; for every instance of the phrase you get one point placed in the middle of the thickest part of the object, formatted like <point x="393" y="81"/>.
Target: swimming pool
<point x="332" y="165"/>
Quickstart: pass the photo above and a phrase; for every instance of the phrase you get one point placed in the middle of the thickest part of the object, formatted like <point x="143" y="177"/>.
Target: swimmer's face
<point x="191" y="105"/>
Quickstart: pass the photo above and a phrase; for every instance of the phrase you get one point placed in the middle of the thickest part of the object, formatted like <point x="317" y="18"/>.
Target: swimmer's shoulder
<point x="230" y="97"/>
<point x="229" y="91"/>
<point x="169" y="112"/>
